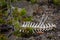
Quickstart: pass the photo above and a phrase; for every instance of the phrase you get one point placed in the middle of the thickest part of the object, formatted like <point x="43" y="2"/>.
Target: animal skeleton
<point x="40" y="26"/>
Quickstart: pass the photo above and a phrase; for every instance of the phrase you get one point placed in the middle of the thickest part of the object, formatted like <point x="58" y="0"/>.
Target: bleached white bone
<point x="48" y="26"/>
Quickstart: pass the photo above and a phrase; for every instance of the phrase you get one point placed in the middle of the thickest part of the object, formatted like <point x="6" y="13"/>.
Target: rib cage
<point x="41" y="26"/>
<point x="36" y="26"/>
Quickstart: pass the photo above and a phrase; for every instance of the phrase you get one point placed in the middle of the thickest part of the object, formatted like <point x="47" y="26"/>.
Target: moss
<point x="2" y="37"/>
<point x="17" y="33"/>
<point x="2" y="0"/>
<point x="28" y="18"/>
<point x="23" y="12"/>
<point x="28" y="31"/>
<point x="56" y="2"/>
<point x="2" y="21"/>
<point x="16" y="25"/>
<point x="33" y="1"/>
<point x="16" y="14"/>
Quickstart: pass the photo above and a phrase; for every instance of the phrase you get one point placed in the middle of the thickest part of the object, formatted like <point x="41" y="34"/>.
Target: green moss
<point x="3" y="6"/>
<point x="16" y="14"/>
<point x="17" y="33"/>
<point x="33" y="1"/>
<point x="56" y="2"/>
<point x="2" y="37"/>
<point x="16" y="24"/>
<point x="28" y="32"/>
<point x="19" y="14"/>
<point x="2" y="0"/>
<point x="2" y="21"/>
<point x="23" y="12"/>
<point x="28" y="18"/>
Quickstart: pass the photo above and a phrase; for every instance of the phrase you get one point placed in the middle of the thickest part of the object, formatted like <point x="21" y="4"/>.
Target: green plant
<point x="16" y="14"/>
<point x="57" y="2"/>
<point x="16" y="25"/>
<point x="23" y="12"/>
<point x="2" y="21"/>
<point x="17" y="33"/>
<point x="3" y="15"/>
<point x="3" y="6"/>
<point x="19" y="14"/>
<point x="28" y="31"/>
<point x="2" y="0"/>
<point x="33" y="1"/>
<point x="28" y="18"/>
<point x="4" y="3"/>
<point x="2" y="37"/>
